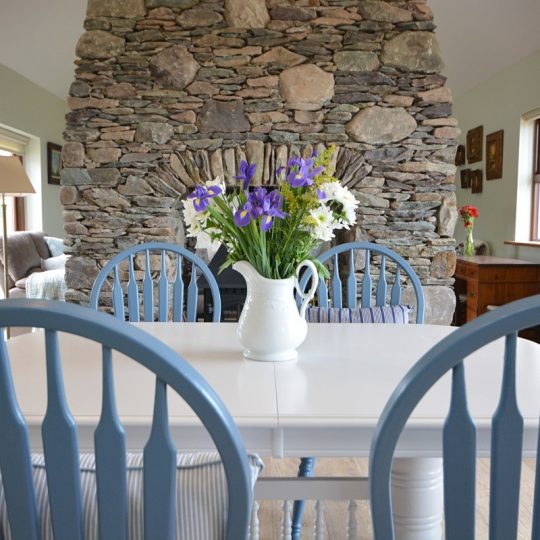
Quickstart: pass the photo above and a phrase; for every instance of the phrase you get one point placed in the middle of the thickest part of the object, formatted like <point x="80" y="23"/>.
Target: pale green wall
<point x="39" y="114"/>
<point x="499" y="103"/>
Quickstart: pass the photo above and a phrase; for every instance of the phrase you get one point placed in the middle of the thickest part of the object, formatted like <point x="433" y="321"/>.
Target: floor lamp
<point x="13" y="181"/>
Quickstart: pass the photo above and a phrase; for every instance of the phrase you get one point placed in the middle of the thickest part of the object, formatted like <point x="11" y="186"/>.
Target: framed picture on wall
<point x="465" y="178"/>
<point x="476" y="181"/>
<point x="494" y="155"/>
<point x="460" y="155"/>
<point x="54" y="163"/>
<point x="475" y="139"/>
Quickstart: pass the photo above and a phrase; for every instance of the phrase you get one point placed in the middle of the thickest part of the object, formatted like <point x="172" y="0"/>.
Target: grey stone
<point x="440" y="303"/>
<point x="99" y="44"/>
<point x="374" y="10"/>
<point x="106" y="197"/>
<point x="174" y="67"/>
<point x="74" y="177"/>
<point x="306" y="87"/>
<point x="292" y="13"/>
<point x="198" y="18"/>
<point x="380" y="125"/>
<point x="154" y="132"/>
<point x="79" y="89"/>
<point x="121" y="91"/>
<point x="179" y="4"/>
<point x="135" y="186"/>
<point x="223" y="116"/>
<point x="81" y="272"/>
<point x="104" y="176"/>
<point x="115" y="8"/>
<point x="413" y="51"/>
<point x="356" y="61"/>
<point x="242" y="14"/>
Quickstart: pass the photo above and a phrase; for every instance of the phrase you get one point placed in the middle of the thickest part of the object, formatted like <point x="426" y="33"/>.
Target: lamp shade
<point x="13" y="179"/>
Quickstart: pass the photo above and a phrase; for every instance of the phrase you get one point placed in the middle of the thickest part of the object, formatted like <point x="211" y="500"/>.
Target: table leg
<point x="417" y="498"/>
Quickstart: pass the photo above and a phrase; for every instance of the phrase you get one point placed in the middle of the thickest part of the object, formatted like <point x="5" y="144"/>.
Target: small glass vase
<point x="468" y="248"/>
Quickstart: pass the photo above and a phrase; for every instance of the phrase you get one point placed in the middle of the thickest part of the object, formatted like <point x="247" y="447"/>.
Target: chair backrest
<point x="60" y="441"/>
<point x="170" y="283"/>
<point x="459" y="431"/>
<point x="385" y="293"/>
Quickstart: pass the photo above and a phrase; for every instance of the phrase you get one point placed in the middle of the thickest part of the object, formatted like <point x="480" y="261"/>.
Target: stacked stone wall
<point x="171" y="92"/>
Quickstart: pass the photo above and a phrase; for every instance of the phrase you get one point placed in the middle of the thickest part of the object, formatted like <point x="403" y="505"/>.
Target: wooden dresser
<point x="485" y="281"/>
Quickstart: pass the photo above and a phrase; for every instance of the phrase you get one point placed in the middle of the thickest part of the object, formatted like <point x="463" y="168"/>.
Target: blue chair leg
<point x="304" y="470"/>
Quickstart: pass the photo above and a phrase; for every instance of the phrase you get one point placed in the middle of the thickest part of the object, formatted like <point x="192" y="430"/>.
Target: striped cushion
<point x="398" y="314"/>
<point x="201" y="501"/>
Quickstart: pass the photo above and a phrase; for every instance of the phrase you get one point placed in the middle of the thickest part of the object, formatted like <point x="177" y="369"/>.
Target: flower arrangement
<point x="468" y="214"/>
<point x="273" y="229"/>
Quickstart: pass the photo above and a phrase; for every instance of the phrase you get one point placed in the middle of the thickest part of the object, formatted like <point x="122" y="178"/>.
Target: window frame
<point x="535" y="233"/>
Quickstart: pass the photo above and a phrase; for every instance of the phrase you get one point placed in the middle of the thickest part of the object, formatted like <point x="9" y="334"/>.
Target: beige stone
<point x="186" y="116"/>
<point x="255" y="154"/>
<point x="124" y="136"/>
<point x="242" y="14"/>
<point x="104" y="155"/>
<point x="115" y="8"/>
<point x="174" y="67"/>
<point x="202" y="88"/>
<point x="399" y="101"/>
<point x="448" y="216"/>
<point x="280" y="55"/>
<point x="270" y="117"/>
<point x="69" y="194"/>
<point x="269" y="81"/>
<point x="308" y="117"/>
<point x="381" y="125"/>
<point x="437" y="95"/>
<point x="446" y="132"/>
<point x="306" y="87"/>
<point x="73" y="154"/>
<point x="99" y="44"/>
<point x="443" y="264"/>
<point x="121" y="91"/>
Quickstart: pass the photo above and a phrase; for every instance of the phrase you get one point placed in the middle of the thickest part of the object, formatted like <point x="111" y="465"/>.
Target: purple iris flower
<point x="302" y="172"/>
<point x="260" y="204"/>
<point x="247" y="172"/>
<point x="242" y="216"/>
<point x="321" y="195"/>
<point x="201" y="196"/>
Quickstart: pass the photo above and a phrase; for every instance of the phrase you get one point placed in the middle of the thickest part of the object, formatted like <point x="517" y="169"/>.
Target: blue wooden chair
<point x="331" y="295"/>
<point x="60" y="440"/>
<point x="168" y="287"/>
<point x="459" y="432"/>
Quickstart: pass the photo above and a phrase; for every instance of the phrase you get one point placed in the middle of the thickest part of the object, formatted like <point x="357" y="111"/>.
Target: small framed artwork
<point x="476" y="181"/>
<point x="465" y="178"/>
<point x="475" y="138"/>
<point x="460" y="155"/>
<point x="494" y="155"/>
<point x="54" y="163"/>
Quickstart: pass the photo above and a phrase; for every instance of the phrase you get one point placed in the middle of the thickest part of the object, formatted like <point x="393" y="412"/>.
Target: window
<point x="14" y="206"/>
<point x="535" y="234"/>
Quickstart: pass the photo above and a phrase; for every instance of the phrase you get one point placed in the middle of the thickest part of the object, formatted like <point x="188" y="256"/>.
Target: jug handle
<point x="308" y="296"/>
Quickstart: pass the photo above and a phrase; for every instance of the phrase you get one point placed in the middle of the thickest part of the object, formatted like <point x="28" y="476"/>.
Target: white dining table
<point x="325" y="403"/>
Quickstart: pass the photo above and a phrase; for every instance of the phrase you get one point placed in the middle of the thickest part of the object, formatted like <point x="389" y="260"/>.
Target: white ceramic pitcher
<point x="271" y="327"/>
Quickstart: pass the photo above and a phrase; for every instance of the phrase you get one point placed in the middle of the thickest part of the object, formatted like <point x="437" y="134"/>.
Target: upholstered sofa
<point x="31" y="252"/>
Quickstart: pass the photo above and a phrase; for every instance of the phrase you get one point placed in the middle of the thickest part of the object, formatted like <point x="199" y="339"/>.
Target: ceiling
<point x="478" y="38"/>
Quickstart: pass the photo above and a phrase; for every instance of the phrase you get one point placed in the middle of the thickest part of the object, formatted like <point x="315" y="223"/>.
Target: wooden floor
<point x="335" y="514"/>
